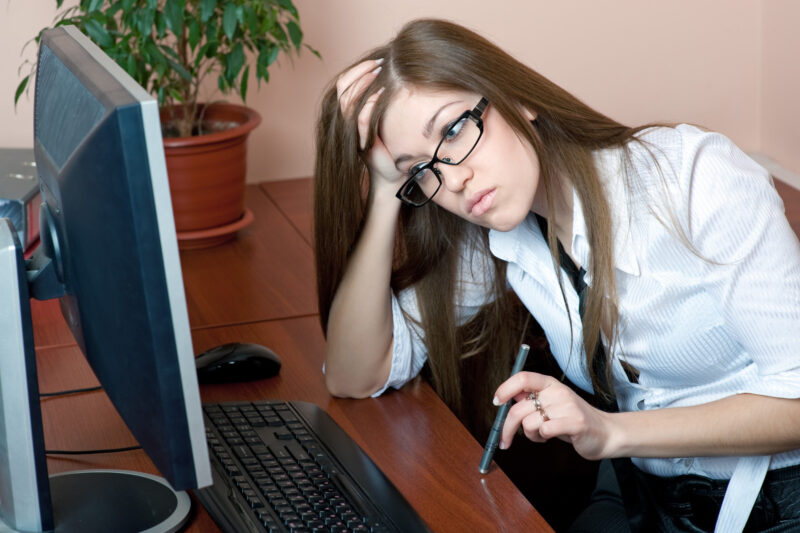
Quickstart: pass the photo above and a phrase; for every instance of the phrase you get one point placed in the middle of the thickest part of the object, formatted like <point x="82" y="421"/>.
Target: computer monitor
<point x="109" y="253"/>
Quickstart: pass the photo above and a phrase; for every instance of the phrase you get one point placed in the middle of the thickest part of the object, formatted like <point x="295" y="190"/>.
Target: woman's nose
<point x="455" y="177"/>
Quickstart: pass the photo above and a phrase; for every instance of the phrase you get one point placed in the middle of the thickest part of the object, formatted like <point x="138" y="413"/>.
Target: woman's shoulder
<point x="677" y="153"/>
<point x="682" y="142"/>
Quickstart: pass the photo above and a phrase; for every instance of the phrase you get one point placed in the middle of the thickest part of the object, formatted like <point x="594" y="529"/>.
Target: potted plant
<point x="170" y="47"/>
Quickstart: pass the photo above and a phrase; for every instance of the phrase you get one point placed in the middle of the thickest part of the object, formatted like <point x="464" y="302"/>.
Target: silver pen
<point x="500" y="419"/>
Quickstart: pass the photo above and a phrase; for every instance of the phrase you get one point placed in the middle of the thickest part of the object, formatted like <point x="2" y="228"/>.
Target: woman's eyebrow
<point x="429" y="126"/>
<point x="426" y="132"/>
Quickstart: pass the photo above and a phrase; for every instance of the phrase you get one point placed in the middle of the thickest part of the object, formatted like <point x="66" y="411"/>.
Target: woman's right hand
<point x="349" y="88"/>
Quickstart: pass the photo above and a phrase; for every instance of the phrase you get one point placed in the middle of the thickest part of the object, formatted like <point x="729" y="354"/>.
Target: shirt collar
<point x="512" y="245"/>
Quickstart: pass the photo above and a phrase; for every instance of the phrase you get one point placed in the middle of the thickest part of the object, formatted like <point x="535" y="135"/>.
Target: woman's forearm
<point x="359" y="349"/>
<point x="744" y="424"/>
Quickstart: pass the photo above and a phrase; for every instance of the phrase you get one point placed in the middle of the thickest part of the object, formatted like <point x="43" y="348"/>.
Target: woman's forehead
<point x="411" y="110"/>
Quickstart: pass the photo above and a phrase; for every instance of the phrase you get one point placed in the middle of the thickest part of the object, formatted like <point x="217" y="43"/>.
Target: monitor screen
<point x="108" y="235"/>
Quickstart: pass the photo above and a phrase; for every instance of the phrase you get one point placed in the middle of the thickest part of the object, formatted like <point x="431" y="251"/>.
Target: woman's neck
<point x="561" y="216"/>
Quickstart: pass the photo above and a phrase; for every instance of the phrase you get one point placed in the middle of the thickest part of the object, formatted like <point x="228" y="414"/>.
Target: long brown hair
<point x="430" y="241"/>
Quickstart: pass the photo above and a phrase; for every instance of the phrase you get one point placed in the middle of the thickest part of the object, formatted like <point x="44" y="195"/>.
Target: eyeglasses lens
<point x="456" y="144"/>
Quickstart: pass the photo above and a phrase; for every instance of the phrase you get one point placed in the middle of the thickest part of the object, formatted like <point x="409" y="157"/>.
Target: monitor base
<point x="88" y="501"/>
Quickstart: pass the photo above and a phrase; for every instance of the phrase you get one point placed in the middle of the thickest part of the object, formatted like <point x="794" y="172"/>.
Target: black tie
<point x="635" y="505"/>
<point x="576" y="276"/>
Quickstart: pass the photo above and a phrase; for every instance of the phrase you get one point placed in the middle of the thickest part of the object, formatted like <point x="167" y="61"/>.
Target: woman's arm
<point x="743" y="424"/>
<point x="359" y="330"/>
<point x="359" y="349"/>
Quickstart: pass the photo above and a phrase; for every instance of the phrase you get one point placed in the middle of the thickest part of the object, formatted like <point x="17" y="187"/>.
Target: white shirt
<point x="699" y="325"/>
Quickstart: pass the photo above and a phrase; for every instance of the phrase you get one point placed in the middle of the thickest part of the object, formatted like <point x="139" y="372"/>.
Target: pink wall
<point x="635" y="61"/>
<point x="781" y="83"/>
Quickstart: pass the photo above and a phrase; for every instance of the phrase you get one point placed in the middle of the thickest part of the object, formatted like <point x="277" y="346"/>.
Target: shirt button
<point x="640" y="404"/>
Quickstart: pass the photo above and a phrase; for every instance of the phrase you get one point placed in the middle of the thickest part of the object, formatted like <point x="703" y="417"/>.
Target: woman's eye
<point x="418" y="171"/>
<point x="453" y="130"/>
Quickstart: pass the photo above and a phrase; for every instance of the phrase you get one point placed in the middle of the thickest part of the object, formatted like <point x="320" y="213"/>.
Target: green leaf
<point x="127" y="5"/>
<point x="21" y="88"/>
<point x="278" y="33"/>
<point x="179" y="69"/>
<point x="235" y="63"/>
<point x="111" y="12"/>
<point x="176" y="95"/>
<point x="145" y="20"/>
<point x="194" y="33"/>
<point x="161" y="25"/>
<point x="273" y="55"/>
<point x="173" y="12"/>
<point x="287" y="4"/>
<point x="130" y="65"/>
<point x="295" y="33"/>
<point x="251" y="19"/>
<point x="229" y="21"/>
<point x="243" y="86"/>
<point x="98" y="33"/>
<point x="207" y="8"/>
<point x="313" y="51"/>
<point x="93" y="5"/>
<point x="211" y="30"/>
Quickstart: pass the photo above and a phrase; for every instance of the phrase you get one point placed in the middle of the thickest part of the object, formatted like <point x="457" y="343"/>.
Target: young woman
<point x="450" y="175"/>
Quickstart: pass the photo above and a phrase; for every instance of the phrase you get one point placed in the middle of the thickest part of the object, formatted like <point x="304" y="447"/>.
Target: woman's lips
<point x="480" y="202"/>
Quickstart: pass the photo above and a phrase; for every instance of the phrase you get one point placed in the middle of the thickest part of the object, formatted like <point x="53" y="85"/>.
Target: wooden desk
<point x="260" y="288"/>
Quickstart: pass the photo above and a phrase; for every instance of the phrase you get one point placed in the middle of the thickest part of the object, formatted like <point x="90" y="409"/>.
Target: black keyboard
<point x="288" y="467"/>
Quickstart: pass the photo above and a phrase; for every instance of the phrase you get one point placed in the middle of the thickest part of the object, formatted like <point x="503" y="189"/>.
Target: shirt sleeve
<point x="409" y="351"/>
<point x="738" y="225"/>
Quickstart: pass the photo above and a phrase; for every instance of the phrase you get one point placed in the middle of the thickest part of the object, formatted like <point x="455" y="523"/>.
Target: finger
<point x="533" y="427"/>
<point x="519" y="411"/>
<point x="352" y="92"/>
<point x="347" y="101"/>
<point x="520" y="383"/>
<point x="364" y="116"/>
<point x="350" y="76"/>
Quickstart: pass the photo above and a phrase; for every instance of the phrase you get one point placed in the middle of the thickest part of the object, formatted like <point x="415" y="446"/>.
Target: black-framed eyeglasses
<point x="458" y="141"/>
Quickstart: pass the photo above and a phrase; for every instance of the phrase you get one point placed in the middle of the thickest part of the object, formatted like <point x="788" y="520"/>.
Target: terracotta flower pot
<point x="207" y="177"/>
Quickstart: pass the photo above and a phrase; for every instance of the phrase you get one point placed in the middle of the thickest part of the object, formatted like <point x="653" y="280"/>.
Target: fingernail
<point x="502" y="445"/>
<point x="495" y="401"/>
<point x="379" y="61"/>
<point x="376" y="70"/>
<point x="379" y="91"/>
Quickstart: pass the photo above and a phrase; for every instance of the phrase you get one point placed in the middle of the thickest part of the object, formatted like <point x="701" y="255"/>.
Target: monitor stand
<point x="89" y="501"/>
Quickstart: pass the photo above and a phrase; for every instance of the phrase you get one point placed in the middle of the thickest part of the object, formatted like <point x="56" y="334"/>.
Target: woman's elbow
<point x="344" y="389"/>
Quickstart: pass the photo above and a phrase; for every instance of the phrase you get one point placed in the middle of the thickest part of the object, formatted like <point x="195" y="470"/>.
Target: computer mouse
<point x="235" y="362"/>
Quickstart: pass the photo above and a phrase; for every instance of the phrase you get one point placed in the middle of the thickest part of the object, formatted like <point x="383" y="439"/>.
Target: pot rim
<point x="250" y="116"/>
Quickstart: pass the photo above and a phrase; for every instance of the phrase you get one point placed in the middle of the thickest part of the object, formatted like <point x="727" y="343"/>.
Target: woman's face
<point x="495" y="186"/>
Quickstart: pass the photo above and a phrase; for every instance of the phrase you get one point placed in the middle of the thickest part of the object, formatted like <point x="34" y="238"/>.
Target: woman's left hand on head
<point x="546" y="408"/>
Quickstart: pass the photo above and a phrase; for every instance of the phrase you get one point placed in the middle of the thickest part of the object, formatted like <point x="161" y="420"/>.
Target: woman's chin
<point x="503" y="222"/>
